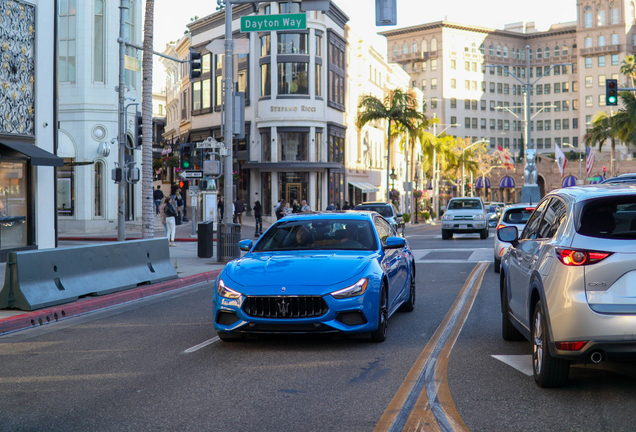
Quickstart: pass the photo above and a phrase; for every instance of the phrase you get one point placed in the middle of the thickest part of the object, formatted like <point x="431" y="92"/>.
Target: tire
<point x="497" y="265"/>
<point x="229" y="337"/>
<point x="446" y="234"/>
<point x="379" y="335"/>
<point x="508" y="331"/>
<point x="484" y="234"/>
<point x="409" y="305"/>
<point x="549" y="372"/>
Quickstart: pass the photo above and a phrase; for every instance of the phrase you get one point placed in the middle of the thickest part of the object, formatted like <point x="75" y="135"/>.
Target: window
<point x="601" y="61"/>
<point x="434" y="102"/>
<point x="547" y="125"/>
<point x="539" y="53"/>
<point x="433" y="83"/>
<point x="473" y="66"/>
<point x="318" y="66"/>
<point x="288" y="8"/>
<point x="557" y="51"/>
<point x="557" y="88"/>
<point x="405" y="48"/>
<point x="453" y="83"/>
<point x="482" y="49"/>
<point x="492" y="124"/>
<point x="548" y="143"/>
<point x="566" y="124"/>
<point x="588" y="81"/>
<point x="539" y="125"/>
<point x="499" y="124"/>
<point x="99" y="189"/>
<point x="530" y="54"/>
<point x="414" y="47"/>
<point x="492" y="87"/>
<point x="557" y="141"/>
<point x="396" y="50"/>
<point x="98" y="42"/>
<point x="498" y="50"/>
<point x="467" y="66"/>
<point x="336" y="81"/>
<point x="601" y="41"/>
<point x="614" y="39"/>
<point x="424" y="85"/>
<point x="453" y="64"/>
<point x="483" y="86"/>
<point x="600" y="15"/>
<point x="564" y="50"/>
<point x="434" y="64"/>
<point x="424" y="46"/>
<point x="491" y="50"/>
<point x="588" y="62"/>
<point x="433" y="44"/>
<point x="613" y="13"/>
<point x="575" y="104"/>
<point x="483" y="105"/>
<point x="575" y="86"/>
<point x="506" y="89"/>
<point x="589" y="101"/>
<point x="505" y="52"/>
<point x="453" y="103"/>
<point x="483" y="123"/>
<point x="546" y="53"/>
<point x="66" y="40"/>
<point x="614" y="59"/>
<point x="506" y="124"/>
<point x="293" y="78"/>
<point x="557" y="106"/>
<point x="492" y="105"/>
<point x="129" y="35"/>
<point x="499" y="88"/>
<point x="474" y="123"/>
<point x="557" y="70"/>
<point x="292" y="146"/>
<point x="565" y="87"/>
<point x="453" y="121"/>
<point x="601" y="100"/>
<point x="557" y="124"/>
<point x="539" y="143"/>
<point x="565" y="105"/>
<point x="466" y="85"/>
<point x="467" y="104"/>
<point x="474" y="104"/>
<point x="601" y="80"/>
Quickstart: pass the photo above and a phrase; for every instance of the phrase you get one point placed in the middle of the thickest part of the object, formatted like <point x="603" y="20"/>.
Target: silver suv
<point x="568" y="282"/>
<point x="465" y="215"/>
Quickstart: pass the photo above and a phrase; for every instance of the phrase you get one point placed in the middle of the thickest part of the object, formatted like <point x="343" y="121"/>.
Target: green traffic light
<point x="612" y="99"/>
<point x="186" y="164"/>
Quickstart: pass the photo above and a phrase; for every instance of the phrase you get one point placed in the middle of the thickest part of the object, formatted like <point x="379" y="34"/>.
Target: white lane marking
<point x="523" y="363"/>
<point x="477" y="255"/>
<point x="201" y="345"/>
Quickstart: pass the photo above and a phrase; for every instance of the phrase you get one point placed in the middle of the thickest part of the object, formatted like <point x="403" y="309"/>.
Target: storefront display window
<point x="293" y="78"/>
<point x="293" y="186"/>
<point x="292" y="147"/>
<point x="13" y="205"/>
<point x="65" y="189"/>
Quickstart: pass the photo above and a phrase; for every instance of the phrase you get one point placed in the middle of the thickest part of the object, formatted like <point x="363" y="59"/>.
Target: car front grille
<point x="462" y="218"/>
<point x="285" y="307"/>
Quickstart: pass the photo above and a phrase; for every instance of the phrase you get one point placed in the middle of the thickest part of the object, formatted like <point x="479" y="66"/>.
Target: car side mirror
<point x="509" y="234"/>
<point x="246" y="245"/>
<point x="395" y="243"/>
<point x="399" y="215"/>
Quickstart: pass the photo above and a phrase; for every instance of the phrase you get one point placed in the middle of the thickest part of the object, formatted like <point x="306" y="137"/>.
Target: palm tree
<point x="604" y="127"/>
<point x="628" y="68"/>
<point x="147" y="210"/>
<point x="398" y="107"/>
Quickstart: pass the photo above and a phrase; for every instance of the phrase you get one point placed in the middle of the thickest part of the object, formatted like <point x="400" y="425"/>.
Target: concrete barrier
<point x="43" y="278"/>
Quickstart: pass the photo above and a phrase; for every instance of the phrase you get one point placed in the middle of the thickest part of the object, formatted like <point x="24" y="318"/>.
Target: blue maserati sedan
<point x="338" y="272"/>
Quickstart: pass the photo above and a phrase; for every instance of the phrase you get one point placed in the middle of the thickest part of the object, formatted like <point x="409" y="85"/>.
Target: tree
<point x="147" y="207"/>
<point x="628" y="68"/>
<point x="603" y="128"/>
<point x="398" y="107"/>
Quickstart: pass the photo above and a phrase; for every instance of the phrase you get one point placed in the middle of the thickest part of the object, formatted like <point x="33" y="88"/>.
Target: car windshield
<point x="464" y="204"/>
<point x="611" y="218"/>
<point x="518" y="215"/>
<point x="384" y="210"/>
<point x="321" y="234"/>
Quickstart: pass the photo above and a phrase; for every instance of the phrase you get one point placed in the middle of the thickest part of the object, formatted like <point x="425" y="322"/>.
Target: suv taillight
<point x="574" y="257"/>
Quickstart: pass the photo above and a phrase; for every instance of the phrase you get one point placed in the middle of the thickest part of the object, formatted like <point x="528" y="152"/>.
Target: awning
<point x="569" y="181"/>
<point x="507" y="182"/>
<point x="36" y="155"/>
<point x="479" y="184"/>
<point x="364" y="187"/>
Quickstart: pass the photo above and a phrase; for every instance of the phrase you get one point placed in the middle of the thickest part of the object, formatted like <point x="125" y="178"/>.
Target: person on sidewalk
<point x="346" y="206"/>
<point x="239" y="208"/>
<point x="173" y="190"/>
<point x="171" y="215"/>
<point x="258" y="216"/>
<point x="295" y="207"/>
<point x="305" y="207"/>
<point x="220" y="205"/>
<point x="287" y="210"/>
<point x="331" y="207"/>
<point x="157" y="196"/>
<point x="279" y="210"/>
<point x="162" y="215"/>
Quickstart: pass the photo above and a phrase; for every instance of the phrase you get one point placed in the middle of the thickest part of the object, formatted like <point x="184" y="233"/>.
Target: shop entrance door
<point x="294" y="192"/>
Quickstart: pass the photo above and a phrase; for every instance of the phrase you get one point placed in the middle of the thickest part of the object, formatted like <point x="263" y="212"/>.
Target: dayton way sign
<point x="273" y="22"/>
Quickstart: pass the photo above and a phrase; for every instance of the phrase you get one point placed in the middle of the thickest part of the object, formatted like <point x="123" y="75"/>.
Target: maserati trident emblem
<point x="282" y="289"/>
<point x="283" y="307"/>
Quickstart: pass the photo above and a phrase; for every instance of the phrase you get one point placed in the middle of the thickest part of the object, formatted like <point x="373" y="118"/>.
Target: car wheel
<point x="484" y="234"/>
<point x="497" y="265"/>
<point x="447" y="234"/>
<point x="508" y="331"/>
<point x="229" y="337"/>
<point x="409" y="305"/>
<point x="379" y="335"/>
<point x="548" y="371"/>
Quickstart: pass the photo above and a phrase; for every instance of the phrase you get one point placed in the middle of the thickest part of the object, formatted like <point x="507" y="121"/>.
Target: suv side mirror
<point x="509" y="234"/>
<point x="395" y="243"/>
<point x="246" y="245"/>
<point x="399" y="215"/>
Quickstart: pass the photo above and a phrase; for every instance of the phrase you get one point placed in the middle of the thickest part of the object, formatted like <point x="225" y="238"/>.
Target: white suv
<point x="465" y="215"/>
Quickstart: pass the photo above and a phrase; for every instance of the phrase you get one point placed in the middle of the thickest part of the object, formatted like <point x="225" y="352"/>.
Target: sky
<point x="170" y="20"/>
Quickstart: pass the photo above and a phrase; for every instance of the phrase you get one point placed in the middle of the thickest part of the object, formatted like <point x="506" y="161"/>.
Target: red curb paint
<point x="56" y="313"/>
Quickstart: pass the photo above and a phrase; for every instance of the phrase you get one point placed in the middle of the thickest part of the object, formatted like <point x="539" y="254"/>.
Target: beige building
<point x="450" y="63"/>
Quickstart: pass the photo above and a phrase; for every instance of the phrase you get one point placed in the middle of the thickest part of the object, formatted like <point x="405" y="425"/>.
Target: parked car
<point x="493" y="214"/>
<point x="465" y="215"/>
<point x="517" y="215"/>
<point x="567" y="282"/>
<point x="387" y="210"/>
<point x="623" y="178"/>
<point x="343" y="272"/>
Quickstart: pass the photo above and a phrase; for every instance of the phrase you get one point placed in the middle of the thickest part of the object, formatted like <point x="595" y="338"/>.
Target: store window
<point x="13" y="205"/>
<point x="293" y="78"/>
<point x="65" y="188"/>
<point x="292" y="43"/>
<point x="292" y="146"/>
<point x="266" y="145"/>
<point x="318" y="150"/>
<point x="336" y="78"/>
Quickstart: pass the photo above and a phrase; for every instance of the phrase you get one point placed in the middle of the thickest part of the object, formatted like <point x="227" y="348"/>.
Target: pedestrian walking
<point x="331" y="207"/>
<point x="157" y="196"/>
<point x="295" y="207"/>
<point x="305" y="207"/>
<point x="258" y="216"/>
<point x="173" y="190"/>
<point x="346" y="206"/>
<point x="239" y="208"/>
<point x="279" y="210"/>
<point x="287" y="210"/>
<point x="220" y="205"/>
<point x="162" y="214"/>
<point x="171" y="215"/>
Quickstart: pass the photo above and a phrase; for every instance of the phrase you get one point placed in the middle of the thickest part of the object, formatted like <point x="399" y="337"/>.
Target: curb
<point x="57" y="313"/>
<point x="182" y="239"/>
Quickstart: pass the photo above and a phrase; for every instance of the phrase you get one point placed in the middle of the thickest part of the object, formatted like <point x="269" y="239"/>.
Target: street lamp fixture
<point x="393" y="177"/>
<point x="417" y="181"/>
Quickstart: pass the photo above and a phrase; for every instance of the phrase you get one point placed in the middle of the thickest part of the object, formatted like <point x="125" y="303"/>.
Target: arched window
<point x="491" y="50"/>
<point x="587" y="13"/>
<point x="482" y="49"/>
<point x="529" y="53"/>
<point x="405" y="48"/>
<point x="498" y="50"/>
<point x="99" y="189"/>
<point x="98" y="42"/>
<point x="414" y="47"/>
<point x="424" y="46"/>
<point x="557" y="51"/>
<point x="600" y="15"/>
<point x="505" y="52"/>
<point x="473" y="48"/>
<point x="613" y="13"/>
<point x="396" y="50"/>
<point x="546" y="52"/>
<point x="539" y="53"/>
<point x="564" y="50"/>
<point x="433" y="44"/>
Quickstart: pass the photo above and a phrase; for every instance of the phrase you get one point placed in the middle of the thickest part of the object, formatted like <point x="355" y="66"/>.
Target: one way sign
<point x="191" y="174"/>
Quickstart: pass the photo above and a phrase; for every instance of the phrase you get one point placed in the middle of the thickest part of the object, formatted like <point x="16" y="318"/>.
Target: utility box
<point x="205" y="240"/>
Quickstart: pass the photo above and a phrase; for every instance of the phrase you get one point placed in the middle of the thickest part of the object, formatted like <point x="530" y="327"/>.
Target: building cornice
<point x="217" y="19"/>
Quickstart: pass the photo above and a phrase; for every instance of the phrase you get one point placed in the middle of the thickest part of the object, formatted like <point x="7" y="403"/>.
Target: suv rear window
<point x="464" y="204"/>
<point x="384" y="210"/>
<point x="517" y="216"/>
<point x="611" y="218"/>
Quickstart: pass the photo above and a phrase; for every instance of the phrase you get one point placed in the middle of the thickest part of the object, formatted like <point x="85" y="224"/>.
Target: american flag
<point x="507" y="161"/>
<point x="589" y="160"/>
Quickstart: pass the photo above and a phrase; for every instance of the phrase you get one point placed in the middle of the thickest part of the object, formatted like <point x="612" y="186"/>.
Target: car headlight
<point x="447" y="217"/>
<point x="227" y="292"/>
<point x="478" y="217"/>
<point x="354" y="290"/>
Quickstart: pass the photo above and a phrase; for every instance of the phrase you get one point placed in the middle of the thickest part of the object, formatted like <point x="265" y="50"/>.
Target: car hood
<point x="300" y="268"/>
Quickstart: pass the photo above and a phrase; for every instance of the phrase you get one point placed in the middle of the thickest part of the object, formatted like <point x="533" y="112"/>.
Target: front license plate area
<point x="463" y="227"/>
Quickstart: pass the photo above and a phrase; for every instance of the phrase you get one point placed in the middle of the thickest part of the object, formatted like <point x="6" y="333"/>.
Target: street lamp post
<point x="417" y="180"/>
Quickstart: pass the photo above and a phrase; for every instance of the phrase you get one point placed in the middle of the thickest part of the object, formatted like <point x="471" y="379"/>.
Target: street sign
<point x="193" y="193"/>
<point x="273" y="22"/>
<point x="132" y="64"/>
<point x="209" y="143"/>
<point x="241" y="46"/>
<point x="191" y="174"/>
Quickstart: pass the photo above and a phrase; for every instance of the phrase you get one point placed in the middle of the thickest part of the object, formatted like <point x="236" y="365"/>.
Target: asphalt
<point x="190" y="270"/>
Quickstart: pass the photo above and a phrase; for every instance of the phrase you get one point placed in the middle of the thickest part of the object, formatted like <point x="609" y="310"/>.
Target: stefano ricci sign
<point x="301" y="108"/>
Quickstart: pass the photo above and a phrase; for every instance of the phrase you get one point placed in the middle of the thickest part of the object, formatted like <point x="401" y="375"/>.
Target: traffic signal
<point x="138" y="130"/>
<point x="604" y="171"/>
<point x="185" y="151"/>
<point x="195" y="64"/>
<point x="611" y="92"/>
